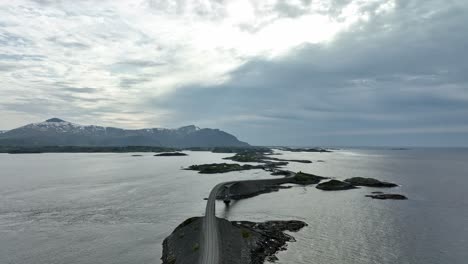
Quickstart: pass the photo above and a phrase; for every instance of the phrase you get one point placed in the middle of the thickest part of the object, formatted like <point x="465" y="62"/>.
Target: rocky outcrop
<point x="369" y="182"/>
<point x="387" y="196"/>
<point x="170" y="154"/>
<point x="335" y="185"/>
<point x="306" y="150"/>
<point x="228" y="167"/>
<point x="243" y="241"/>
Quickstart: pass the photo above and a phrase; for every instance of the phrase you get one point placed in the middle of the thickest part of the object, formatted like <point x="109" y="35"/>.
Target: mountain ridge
<point x="58" y="132"/>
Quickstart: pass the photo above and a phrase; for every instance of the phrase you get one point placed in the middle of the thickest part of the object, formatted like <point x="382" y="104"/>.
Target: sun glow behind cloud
<point x="199" y="41"/>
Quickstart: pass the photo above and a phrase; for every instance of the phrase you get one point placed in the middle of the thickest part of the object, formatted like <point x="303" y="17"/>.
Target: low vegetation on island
<point x="369" y="182"/>
<point x="335" y="185"/>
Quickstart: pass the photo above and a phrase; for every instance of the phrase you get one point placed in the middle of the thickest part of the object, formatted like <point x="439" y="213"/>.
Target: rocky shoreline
<point x="243" y="241"/>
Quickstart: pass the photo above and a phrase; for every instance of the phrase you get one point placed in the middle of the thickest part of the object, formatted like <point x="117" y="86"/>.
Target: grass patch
<point x="245" y="233"/>
<point x="196" y="247"/>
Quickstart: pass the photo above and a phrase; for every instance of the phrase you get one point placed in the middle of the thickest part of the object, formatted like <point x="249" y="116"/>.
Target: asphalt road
<point x="210" y="248"/>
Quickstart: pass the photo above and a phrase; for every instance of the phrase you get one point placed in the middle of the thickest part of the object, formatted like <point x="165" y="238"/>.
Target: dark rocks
<point x="369" y="182"/>
<point x="137" y="155"/>
<point x="170" y="154"/>
<point x="334" y="185"/>
<point x="386" y="196"/>
<point x="273" y="238"/>
<point x="243" y="241"/>
<point x="298" y="161"/>
<point x="281" y="173"/>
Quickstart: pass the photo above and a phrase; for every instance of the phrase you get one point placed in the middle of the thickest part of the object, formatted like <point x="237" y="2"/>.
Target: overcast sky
<point x="295" y="72"/>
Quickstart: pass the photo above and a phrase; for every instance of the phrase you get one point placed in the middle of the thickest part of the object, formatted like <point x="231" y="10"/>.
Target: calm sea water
<point x="114" y="208"/>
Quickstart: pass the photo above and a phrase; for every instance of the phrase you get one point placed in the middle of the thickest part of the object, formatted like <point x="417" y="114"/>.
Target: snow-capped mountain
<point x="57" y="132"/>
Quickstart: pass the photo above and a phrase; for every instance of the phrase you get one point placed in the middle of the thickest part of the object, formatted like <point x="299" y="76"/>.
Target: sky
<point x="271" y="72"/>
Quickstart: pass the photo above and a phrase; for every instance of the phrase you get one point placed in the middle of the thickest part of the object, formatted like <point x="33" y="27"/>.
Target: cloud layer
<point x="273" y="72"/>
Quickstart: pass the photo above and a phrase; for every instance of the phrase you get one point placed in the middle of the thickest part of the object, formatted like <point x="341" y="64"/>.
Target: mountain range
<point x="57" y="132"/>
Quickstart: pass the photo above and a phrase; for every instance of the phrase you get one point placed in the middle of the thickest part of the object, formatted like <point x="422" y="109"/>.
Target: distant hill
<point x="57" y="132"/>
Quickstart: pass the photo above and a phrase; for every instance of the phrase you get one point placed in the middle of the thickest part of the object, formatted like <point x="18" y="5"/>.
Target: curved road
<point x="211" y="253"/>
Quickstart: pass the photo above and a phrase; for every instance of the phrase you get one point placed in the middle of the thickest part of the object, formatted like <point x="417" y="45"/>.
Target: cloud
<point x="273" y="71"/>
<point x="371" y="81"/>
<point x="85" y="90"/>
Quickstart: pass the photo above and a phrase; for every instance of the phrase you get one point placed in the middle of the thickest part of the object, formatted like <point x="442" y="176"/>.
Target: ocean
<point x="115" y="208"/>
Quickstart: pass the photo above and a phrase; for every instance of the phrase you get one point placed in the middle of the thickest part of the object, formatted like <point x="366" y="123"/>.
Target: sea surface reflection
<point x="115" y="208"/>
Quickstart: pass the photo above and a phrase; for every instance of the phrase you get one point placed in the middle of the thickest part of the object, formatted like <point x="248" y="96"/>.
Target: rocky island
<point x="260" y="157"/>
<point x="387" y="196"/>
<point x="245" y="242"/>
<point x="335" y="185"/>
<point x="228" y="167"/>
<point x="369" y="182"/>
<point x="320" y="150"/>
<point x="171" y="154"/>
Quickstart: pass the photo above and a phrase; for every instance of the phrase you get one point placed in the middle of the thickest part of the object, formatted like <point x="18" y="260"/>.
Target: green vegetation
<point x="171" y="260"/>
<point x="181" y="234"/>
<point x="196" y="247"/>
<point x="187" y="222"/>
<point x="245" y="233"/>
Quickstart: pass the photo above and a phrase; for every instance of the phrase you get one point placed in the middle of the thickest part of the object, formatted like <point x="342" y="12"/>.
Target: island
<point x="228" y="167"/>
<point x="244" y="241"/>
<point x="260" y="157"/>
<point x="387" y="196"/>
<point x="369" y="182"/>
<point x="335" y="185"/>
<point x="171" y="154"/>
<point x="320" y="150"/>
